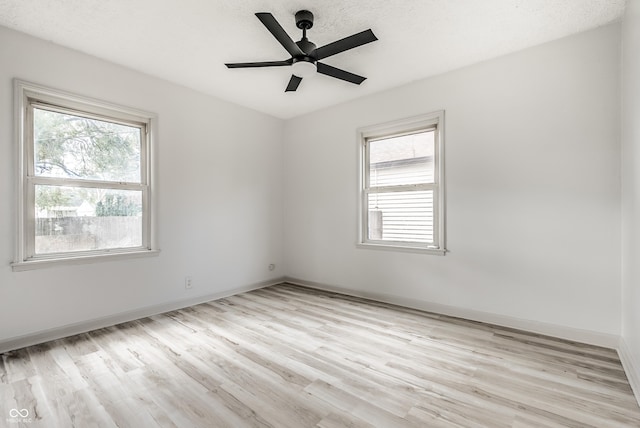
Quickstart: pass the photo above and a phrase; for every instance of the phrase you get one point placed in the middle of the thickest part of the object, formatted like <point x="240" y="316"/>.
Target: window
<point x="401" y="185"/>
<point x="85" y="179"/>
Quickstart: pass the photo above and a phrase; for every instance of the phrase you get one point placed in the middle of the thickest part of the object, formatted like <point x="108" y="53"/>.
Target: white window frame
<point x="410" y="125"/>
<point x="29" y="95"/>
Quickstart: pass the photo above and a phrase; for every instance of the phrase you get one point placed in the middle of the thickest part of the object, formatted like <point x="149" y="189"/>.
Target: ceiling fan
<point x="305" y="57"/>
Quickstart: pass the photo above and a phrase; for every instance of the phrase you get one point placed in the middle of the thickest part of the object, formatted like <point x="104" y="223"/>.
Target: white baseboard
<point x="631" y="368"/>
<point x="558" y="331"/>
<point x="96" y="323"/>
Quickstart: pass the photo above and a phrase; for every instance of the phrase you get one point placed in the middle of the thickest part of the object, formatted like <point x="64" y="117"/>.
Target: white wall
<point x="219" y="186"/>
<point x="631" y="193"/>
<point x="533" y="192"/>
<point x="533" y="161"/>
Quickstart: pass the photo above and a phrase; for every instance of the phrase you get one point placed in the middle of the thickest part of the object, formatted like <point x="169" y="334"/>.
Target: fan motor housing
<point x="306" y="46"/>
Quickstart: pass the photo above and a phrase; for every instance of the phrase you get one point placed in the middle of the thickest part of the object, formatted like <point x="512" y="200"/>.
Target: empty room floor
<point x="288" y="356"/>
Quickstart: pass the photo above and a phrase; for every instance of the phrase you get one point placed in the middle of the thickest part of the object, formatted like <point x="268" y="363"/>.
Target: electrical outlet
<point x="272" y="266"/>
<point x="187" y="283"/>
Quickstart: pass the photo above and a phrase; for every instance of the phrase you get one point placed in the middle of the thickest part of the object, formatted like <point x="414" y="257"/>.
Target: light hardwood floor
<point x="287" y="356"/>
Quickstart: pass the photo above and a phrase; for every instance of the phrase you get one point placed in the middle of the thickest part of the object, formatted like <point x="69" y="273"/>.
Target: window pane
<point x="83" y="219"/>
<point x="69" y="146"/>
<point x="402" y="160"/>
<point x="401" y="216"/>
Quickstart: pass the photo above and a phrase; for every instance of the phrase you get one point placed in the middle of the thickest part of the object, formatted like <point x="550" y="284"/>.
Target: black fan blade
<point x="258" y="64"/>
<point x="345" y="44"/>
<point x="339" y="74"/>
<point x="278" y="32"/>
<point x="294" y="82"/>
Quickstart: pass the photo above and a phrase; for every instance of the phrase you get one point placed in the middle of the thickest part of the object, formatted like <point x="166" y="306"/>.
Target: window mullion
<point x="401" y="188"/>
<point x="69" y="182"/>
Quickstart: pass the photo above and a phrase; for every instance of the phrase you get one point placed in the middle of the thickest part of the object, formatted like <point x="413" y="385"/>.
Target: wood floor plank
<point x="289" y="356"/>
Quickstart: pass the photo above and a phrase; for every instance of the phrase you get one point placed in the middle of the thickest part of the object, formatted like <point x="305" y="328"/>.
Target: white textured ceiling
<point x="188" y="41"/>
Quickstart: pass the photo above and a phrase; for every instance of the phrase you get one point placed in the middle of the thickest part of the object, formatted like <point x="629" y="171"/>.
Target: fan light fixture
<point x="304" y="69"/>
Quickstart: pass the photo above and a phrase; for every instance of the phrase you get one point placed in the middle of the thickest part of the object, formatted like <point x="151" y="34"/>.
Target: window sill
<point x="76" y="260"/>
<point x="401" y="248"/>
